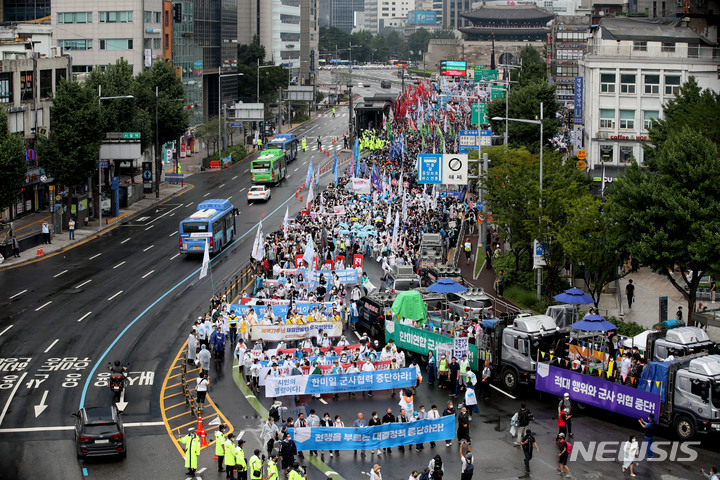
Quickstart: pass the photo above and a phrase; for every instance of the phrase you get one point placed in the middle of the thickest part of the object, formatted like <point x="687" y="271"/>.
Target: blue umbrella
<point x="593" y="323"/>
<point x="368" y="227"/>
<point x="574" y="296"/>
<point x="343" y="225"/>
<point x="446" y="285"/>
<point x="344" y="232"/>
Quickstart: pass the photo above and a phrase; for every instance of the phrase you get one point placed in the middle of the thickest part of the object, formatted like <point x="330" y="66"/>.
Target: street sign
<point x="115" y="183"/>
<point x="468" y="138"/>
<point x="235" y="125"/>
<point x="430" y="168"/>
<point x="479" y="114"/>
<point x="581" y="165"/>
<point x="539" y="252"/>
<point x="131" y="135"/>
<point x="43" y="178"/>
<point x="147" y="177"/>
<point x="455" y="169"/>
<point x="496" y="93"/>
<point x="485" y="139"/>
<point x="485" y="75"/>
<point x="103" y="164"/>
<point x="581" y="154"/>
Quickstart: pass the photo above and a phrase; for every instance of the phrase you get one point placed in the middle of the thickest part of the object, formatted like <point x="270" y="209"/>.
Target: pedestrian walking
<point x="201" y="389"/>
<point x="319" y="143"/>
<point x="288" y="451"/>
<point x="466" y="462"/>
<point x="463" y="428"/>
<point x="500" y="283"/>
<point x="436" y="468"/>
<point x="46" y="233"/>
<point x="269" y="434"/>
<point x="15" y="247"/>
<point x="563" y="420"/>
<point x="220" y="446"/>
<point x="431" y="368"/>
<point x="631" y="451"/>
<point x="203" y="358"/>
<point x="192" y="450"/>
<point x="468" y="250"/>
<point x="433" y="414"/>
<point x="713" y="289"/>
<point x="375" y="474"/>
<point x="485" y="381"/>
<point x="449" y="410"/>
<point x="488" y="256"/>
<point x="566" y="406"/>
<point x="528" y="442"/>
<point x="523" y="420"/>
<point x="454" y="368"/>
<point x="649" y="427"/>
<point x="71" y="229"/>
<point x="564" y="448"/>
<point x="630" y="292"/>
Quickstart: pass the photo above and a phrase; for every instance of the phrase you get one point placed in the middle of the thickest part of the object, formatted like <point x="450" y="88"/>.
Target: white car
<point x="257" y="193"/>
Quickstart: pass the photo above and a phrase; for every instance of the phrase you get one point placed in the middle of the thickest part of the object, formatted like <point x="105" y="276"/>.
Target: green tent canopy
<point x="410" y="305"/>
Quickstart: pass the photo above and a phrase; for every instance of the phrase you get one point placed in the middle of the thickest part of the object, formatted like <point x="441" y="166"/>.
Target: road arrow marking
<point x="122" y="404"/>
<point x="41" y="408"/>
<point x="215" y="421"/>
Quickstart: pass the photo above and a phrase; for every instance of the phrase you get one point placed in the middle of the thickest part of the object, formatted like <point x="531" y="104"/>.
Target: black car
<point x="385" y="84"/>
<point x="99" y="432"/>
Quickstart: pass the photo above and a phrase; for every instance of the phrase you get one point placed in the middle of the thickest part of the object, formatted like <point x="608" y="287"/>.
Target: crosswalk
<point x="337" y="147"/>
<point x="337" y="114"/>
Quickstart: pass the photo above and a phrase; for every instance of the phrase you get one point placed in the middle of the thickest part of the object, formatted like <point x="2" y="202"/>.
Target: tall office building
<point x="187" y="58"/>
<point x="451" y="13"/>
<point x="24" y="10"/>
<point x="340" y="13"/>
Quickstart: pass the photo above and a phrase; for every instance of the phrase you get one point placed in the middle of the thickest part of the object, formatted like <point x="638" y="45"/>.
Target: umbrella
<point x="362" y="234"/>
<point x="343" y="225"/>
<point x="410" y="304"/>
<point x="368" y="227"/>
<point x="574" y="296"/>
<point x="446" y="285"/>
<point x="344" y="232"/>
<point x="593" y="323"/>
<point x="356" y="226"/>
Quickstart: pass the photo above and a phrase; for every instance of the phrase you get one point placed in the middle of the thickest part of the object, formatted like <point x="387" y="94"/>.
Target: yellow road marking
<point x="179" y="415"/>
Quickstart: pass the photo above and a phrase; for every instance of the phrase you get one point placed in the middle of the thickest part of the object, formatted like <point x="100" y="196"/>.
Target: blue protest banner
<point x="341" y="382"/>
<point x="370" y="438"/>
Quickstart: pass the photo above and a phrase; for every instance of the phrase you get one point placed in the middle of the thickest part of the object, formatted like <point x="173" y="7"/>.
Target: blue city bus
<point x="288" y="143"/>
<point x="213" y="221"/>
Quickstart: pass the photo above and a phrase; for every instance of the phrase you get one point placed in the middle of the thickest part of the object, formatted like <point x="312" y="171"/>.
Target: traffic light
<point x="177" y="12"/>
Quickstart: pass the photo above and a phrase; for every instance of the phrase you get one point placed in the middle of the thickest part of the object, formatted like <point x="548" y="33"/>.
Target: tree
<point x="70" y="153"/>
<point x="12" y="163"/>
<point x="271" y="78"/>
<point x="208" y="132"/>
<point x="524" y="102"/>
<point x="533" y="68"/>
<point x="668" y="210"/>
<point x="692" y="107"/>
<point x="587" y="236"/>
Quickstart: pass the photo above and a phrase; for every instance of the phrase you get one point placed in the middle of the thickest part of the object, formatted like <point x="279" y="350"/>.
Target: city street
<point x="129" y="295"/>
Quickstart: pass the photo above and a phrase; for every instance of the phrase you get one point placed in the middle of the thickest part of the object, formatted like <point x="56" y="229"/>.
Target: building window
<point x="648" y="117"/>
<point x="26" y="86"/>
<point x="122" y="16"/>
<point x="639" y="46"/>
<point x="6" y="87"/>
<point x="116" y="44"/>
<point x="607" y="83"/>
<point x="289" y="37"/>
<point x="60" y="75"/>
<point x="668" y="47"/>
<point x="607" y="118"/>
<point x="626" y="154"/>
<point x="290" y="19"/>
<point x="627" y="119"/>
<point x="627" y="83"/>
<point x="156" y="43"/>
<point x="45" y="83"/>
<point x="147" y="17"/>
<point x="693" y="50"/>
<point x="77" y="44"/>
<point x="652" y="84"/>
<point x="606" y="153"/>
<point x="672" y="84"/>
<point x="157" y="17"/>
<point x="74" y="17"/>
<point x="147" y="43"/>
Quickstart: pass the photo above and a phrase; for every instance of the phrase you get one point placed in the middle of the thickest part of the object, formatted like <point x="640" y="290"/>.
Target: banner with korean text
<point x="414" y="339"/>
<point x="610" y="396"/>
<point x="341" y="382"/>
<point x="380" y="436"/>
<point x="275" y="333"/>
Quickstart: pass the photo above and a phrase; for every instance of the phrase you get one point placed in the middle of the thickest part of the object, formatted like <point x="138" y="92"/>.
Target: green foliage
<point x="694" y="108"/>
<point x="669" y="211"/>
<point x="70" y="154"/>
<point x="626" y="329"/>
<point x="208" y="132"/>
<point x="236" y="152"/>
<point x="520" y="276"/>
<point x="533" y="67"/>
<point x="12" y="163"/>
<point x="272" y="78"/>
<point x="301" y="117"/>
<point x="524" y="103"/>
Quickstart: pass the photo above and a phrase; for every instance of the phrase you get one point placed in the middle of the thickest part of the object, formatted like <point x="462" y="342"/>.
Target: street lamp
<point x="535" y="122"/>
<point x="258" y="77"/>
<point x="100" y="99"/>
<point x="220" y="118"/>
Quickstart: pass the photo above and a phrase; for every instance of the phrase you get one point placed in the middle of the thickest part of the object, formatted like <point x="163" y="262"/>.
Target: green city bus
<point x="269" y="167"/>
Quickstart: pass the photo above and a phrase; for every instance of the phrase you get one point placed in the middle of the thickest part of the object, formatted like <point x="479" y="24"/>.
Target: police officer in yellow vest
<point x="219" y="443"/>
<point x="240" y="463"/>
<point x="272" y="469"/>
<point x="259" y="143"/>
<point x="295" y="473"/>
<point x="304" y="144"/>
<point x="255" y="466"/>
<point x="192" y="450"/>
<point x="229" y="447"/>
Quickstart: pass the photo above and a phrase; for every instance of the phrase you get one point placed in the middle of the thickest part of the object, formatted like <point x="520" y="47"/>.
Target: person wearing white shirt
<point x="343" y="342"/>
<point x="625" y="365"/>
<point x="433" y="414"/>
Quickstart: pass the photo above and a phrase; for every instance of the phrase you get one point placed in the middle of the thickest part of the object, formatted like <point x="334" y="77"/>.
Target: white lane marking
<point x="208" y="193"/>
<point x="126" y="240"/>
<point x="296" y="169"/>
<point x="250" y="396"/>
<point x="189" y="204"/>
<point x="43" y="306"/>
<point x="240" y="435"/>
<point x="148" y="228"/>
<point x="119" y="264"/>
<point x="7" y="404"/>
<point x="159" y="217"/>
<point x="70" y="427"/>
<point x="503" y="392"/>
<point x="221" y="185"/>
<point x="243" y="188"/>
<point x="84" y="317"/>
<point x="148" y="248"/>
<point x="51" y="345"/>
<point x="233" y="178"/>
<point x="174" y="256"/>
<point x="143" y="424"/>
<point x="172" y="214"/>
<point x="95" y="256"/>
<point x="229" y="197"/>
<point x="322" y="401"/>
<point x="118" y="293"/>
<point x="64" y="271"/>
<point x="3" y="332"/>
<point x="84" y="283"/>
<point x="148" y="274"/>
<point x="19" y="293"/>
<point x="173" y="234"/>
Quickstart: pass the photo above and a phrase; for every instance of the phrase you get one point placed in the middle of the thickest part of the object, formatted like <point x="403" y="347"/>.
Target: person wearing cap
<point x="203" y="357"/>
<point x="192" y="346"/>
<point x="527" y="442"/>
<point x="192" y="450"/>
<point x="565" y="406"/>
<point x="436" y="467"/>
<point x="230" y="462"/>
<point x="269" y="434"/>
<point x="240" y="463"/>
<point x="375" y="474"/>
<point x="463" y="429"/>
<point x="255" y="466"/>
<point x="464" y="367"/>
<point x="466" y="462"/>
<point x="287" y="451"/>
<point x="220" y="446"/>
<point x="272" y="468"/>
<point x="562" y="445"/>
<point x="295" y="472"/>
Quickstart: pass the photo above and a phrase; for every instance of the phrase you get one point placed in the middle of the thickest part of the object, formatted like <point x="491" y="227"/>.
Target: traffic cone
<point x="200" y="430"/>
<point x="296" y="193"/>
<point x="41" y="252"/>
<point x="301" y="198"/>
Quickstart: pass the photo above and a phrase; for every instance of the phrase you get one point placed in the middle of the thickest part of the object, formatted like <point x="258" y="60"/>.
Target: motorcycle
<point x="117" y="379"/>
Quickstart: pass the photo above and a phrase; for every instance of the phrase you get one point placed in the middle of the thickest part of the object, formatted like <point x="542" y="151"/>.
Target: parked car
<point x="258" y="192"/>
<point x="385" y="84"/>
<point x="99" y="432"/>
<point x="474" y="302"/>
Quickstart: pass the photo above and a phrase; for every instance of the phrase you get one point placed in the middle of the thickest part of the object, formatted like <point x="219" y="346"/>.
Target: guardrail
<point x="189" y="400"/>
<point x="459" y="244"/>
<point x="237" y="281"/>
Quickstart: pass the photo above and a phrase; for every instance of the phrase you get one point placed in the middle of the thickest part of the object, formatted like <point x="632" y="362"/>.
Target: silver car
<point x="474" y="302"/>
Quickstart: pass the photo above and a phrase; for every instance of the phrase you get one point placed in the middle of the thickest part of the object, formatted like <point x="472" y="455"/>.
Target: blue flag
<point x="308" y="177"/>
<point x="375" y="180"/>
<point x="335" y="168"/>
<point x="356" y="157"/>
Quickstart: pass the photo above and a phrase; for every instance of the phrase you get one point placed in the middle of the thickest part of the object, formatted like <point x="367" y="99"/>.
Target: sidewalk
<point x="31" y="224"/>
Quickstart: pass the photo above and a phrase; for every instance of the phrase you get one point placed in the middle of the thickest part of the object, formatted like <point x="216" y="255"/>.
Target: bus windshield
<point x="193" y="227"/>
<point x="278" y="145"/>
<point x="261" y="164"/>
